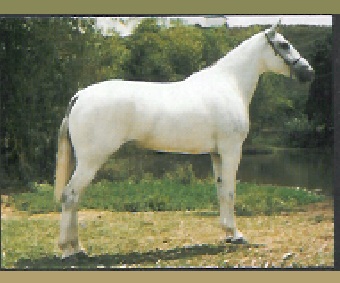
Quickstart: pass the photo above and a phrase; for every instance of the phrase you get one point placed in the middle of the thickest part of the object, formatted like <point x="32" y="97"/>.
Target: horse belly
<point x="179" y="135"/>
<point x="177" y="145"/>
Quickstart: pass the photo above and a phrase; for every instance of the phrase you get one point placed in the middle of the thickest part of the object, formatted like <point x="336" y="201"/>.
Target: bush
<point x="182" y="174"/>
<point x="298" y="132"/>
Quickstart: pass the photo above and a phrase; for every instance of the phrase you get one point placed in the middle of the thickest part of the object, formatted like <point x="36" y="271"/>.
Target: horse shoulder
<point x="229" y="112"/>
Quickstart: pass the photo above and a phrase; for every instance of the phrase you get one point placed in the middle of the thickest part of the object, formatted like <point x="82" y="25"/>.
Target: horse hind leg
<point x="68" y="241"/>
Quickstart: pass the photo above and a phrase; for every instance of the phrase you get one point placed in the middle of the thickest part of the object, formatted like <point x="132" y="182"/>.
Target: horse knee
<point x="69" y="198"/>
<point x="226" y="197"/>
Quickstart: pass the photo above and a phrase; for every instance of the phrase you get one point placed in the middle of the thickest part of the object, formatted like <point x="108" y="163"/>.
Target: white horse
<point x="206" y="113"/>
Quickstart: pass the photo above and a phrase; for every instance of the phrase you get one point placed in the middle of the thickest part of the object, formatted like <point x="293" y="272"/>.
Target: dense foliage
<point x="44" y="61"/>
<point x="319" y="106"/>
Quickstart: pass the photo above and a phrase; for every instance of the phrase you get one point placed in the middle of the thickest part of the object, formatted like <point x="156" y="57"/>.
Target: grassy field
<point x="169" y="195"/>
<point x="165" y="223"/>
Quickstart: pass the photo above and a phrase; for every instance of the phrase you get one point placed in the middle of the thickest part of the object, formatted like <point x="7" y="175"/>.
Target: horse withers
<point x="207" y="112"/>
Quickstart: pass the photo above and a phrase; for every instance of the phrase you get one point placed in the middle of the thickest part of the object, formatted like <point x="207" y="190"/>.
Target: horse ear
<point x="271" y="32"/>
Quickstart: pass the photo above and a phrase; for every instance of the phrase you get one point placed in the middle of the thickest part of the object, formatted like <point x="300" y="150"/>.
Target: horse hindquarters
<point x="93" y="141"/>
<point x="87" y="166"/>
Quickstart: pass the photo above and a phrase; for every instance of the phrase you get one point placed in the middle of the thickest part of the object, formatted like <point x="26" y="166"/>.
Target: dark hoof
<point x="232" y="240"/>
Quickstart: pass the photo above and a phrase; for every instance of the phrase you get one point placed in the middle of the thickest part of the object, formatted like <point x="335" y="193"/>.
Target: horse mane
<point x="238" y="52"/>
<point x="230" y="59"/>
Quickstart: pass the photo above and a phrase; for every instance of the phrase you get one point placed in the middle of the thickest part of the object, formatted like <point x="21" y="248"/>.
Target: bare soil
<point x="297" y="239"/>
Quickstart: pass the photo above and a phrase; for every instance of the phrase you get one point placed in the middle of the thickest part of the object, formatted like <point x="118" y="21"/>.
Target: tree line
<point x="45" y="61"/>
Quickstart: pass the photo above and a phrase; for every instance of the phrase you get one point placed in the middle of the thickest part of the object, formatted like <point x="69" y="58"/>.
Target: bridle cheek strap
<point x="291" y="66"/>
<point x="290" y="63"/>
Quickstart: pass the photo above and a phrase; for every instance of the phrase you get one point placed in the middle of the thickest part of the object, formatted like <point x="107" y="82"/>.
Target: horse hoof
<point x="232" y="240"/>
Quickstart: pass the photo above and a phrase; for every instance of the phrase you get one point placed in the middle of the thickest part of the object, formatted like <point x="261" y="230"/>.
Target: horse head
<point x="282" y="57"/>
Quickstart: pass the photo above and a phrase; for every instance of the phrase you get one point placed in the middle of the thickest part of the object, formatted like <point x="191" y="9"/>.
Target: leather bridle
<point x="290" y="63"/>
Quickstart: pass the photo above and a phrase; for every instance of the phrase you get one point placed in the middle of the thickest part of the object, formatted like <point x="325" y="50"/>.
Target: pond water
<point x="299" y="168"/>
<point x="303" y="168"/>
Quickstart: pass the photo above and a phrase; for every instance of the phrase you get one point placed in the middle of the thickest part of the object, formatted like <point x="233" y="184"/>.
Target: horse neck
<point x="244" y="64"/>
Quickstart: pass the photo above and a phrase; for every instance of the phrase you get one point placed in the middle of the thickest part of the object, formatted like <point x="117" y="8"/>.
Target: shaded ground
<point x="172" y="239"/>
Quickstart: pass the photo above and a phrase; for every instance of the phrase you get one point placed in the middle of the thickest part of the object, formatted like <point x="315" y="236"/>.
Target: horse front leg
<point x="217" y="167"/>
<point x="226" y="187"/>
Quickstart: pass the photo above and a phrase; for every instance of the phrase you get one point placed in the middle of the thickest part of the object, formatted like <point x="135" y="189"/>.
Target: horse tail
<point x="65" y="156"/>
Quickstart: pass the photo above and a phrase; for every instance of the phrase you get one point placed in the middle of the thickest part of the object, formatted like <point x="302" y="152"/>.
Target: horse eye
<point x="284" y="45"/>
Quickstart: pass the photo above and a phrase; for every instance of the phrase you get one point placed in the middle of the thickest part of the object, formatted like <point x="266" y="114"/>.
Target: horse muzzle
<point x="303" y="71"/>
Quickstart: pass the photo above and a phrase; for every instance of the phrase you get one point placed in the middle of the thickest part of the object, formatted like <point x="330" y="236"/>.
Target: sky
<point x="126" y="26"/>
<point x="286" y="20"/>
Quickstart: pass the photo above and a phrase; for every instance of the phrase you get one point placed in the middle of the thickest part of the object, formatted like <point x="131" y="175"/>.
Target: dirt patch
<point x="178" y="238"/>
<point x="8" y="211"/>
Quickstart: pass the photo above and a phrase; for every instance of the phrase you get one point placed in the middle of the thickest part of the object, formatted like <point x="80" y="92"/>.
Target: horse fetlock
<point x="74" y="243"/>
<point x="64" y="242"/>
<point x="233" y="233"/>
<point x="228" y="226"/>
<point x="62" y="245"/>
<point x="70" y="247"/>
<point x="228" y="230"/>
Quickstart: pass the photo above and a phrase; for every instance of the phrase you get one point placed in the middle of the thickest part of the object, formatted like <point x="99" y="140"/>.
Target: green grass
<point x="170" y="239"/>
<point x="170" y="195"/>
<point x="26" y="239"/>
<point x="185" y="233"/>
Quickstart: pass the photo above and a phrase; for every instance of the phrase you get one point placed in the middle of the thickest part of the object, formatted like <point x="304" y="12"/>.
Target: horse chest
<point x="229" y="115"/>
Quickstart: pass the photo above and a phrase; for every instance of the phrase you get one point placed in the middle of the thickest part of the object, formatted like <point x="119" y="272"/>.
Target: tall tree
<point x="319" y="106"/>
<point x="39" y="73"/>
<point x="148" y="56"/>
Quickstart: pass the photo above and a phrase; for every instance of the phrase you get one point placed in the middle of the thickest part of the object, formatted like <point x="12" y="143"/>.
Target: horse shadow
<point x="116" y="261"/>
